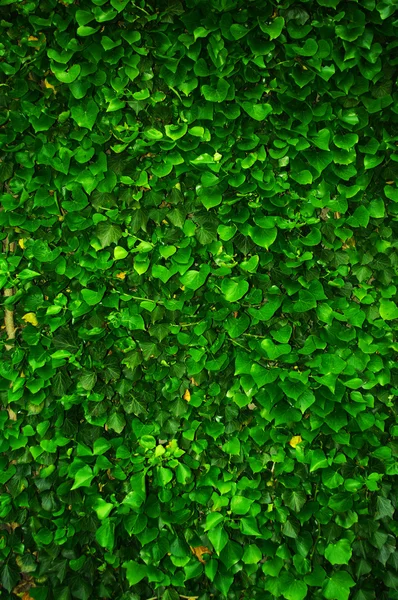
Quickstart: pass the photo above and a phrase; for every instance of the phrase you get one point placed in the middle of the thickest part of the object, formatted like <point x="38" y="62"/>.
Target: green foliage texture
<point x="199" y="228"/>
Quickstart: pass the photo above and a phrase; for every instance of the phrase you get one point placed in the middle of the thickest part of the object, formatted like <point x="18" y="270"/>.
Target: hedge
<point x="199" y="271"/>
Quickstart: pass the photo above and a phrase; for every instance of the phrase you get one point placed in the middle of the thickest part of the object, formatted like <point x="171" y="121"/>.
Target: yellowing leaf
<point x="31" y="318"/>
<point x="187" y="395"/>
<point x="11" y="414"/>
<point x="295" y="441"/>
<point x="32" y="38"/>
<point x="21" y="243"/>
<point x="121" y="275"/>
<point x="172" y="445"/>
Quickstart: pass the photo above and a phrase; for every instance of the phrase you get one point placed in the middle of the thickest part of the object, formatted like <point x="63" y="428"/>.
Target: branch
<point x="8" y="292"/>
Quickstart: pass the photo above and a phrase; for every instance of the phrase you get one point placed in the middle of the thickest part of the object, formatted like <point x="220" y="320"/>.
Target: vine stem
<point x="8" y="293"/>
<point x="316" y="541"/>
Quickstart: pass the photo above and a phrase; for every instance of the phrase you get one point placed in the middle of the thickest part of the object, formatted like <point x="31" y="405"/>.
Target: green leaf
<point x="252" y="555"/>
<point x="294" y="499"/>
<point x="240" y="505"/>
<point x="85" y="114"/>
<point x="345" y="141"/>
<point x="388" y="310"/>
<point x="175" y="132"/>
<point x="384" y="508"/>
<point x="218" y="538"/>
<point x="83" y="477"/>
<point x="67" y="76"/>
<point x="216" y="93"/>
<point x="92" y="297"/>
<point x="105" y="535"/>
<point x="263" y="237"/>
<point x="303" y="177"/>
<point x="108" y="233"/>
<point x="297" y="590"/>
<point x="338" y="586"/>
<point x="273" y="27"/>
<point x="103" y="508"/>
<point x="193" y="279"/>
<point x="318" y="460"/>
<point x="259" y="112"/>
<point x="231" y="554"/>
<point x="136" y="572"/>
<point x="116" y="422"/>
<point x="238" y="31"/>
<point x="234" y="289"/>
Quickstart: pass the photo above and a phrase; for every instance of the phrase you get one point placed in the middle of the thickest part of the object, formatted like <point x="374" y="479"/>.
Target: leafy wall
<point x="199" y="228"/>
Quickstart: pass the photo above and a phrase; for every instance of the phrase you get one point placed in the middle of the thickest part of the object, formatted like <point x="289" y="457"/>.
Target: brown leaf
<point x="198" y="551"/>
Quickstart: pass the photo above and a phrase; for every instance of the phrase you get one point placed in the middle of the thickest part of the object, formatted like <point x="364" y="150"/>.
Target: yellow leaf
<point x="295" y="441"/>
<point x="187" y="395"/>
<point x="32" y="38"/>
<point x="172" y="446"/>
<point x="31" y="318"/>
<point x="21" y="243"/>
<point x="49" y="86"/>
<point x="121" y="275"/>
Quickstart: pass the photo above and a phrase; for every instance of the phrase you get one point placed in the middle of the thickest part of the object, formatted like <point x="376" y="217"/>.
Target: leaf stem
<point x="316" y="540"/>
<point x="255" y="336"/>
<point x="147" y="299"/>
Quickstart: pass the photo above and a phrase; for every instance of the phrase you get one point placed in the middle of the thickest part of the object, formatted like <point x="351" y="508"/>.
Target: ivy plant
<point x="198" y="371"/>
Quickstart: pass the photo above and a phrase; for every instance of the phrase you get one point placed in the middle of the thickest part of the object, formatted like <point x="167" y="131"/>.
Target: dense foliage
<point x="199" y="272"/>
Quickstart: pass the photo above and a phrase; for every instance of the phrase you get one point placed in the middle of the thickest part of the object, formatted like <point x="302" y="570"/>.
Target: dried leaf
<point x="198" y="551"/>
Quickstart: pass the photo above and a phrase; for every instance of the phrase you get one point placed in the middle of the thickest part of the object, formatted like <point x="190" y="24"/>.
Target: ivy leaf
<point x="216" y="93"/>
<point x="83" y="477"/>
<point x="92" y="297"/>
<point x="384" y="508"/>
<point x="85" y="114"/>
<point x="339" y="553"/>
<point x="259" y="112"/>
<point x="105" y="535"/>
<point x="234" y="290"/>
<point x="218" y="537"/>
<point x="9" y="577"/>
<point x="338" y="586"/>
<point x="388" y="310"/>
<point x="108" y="233"/>
<point x="136" y="572"/>
<point x="294" y="499"/>
<point x="273" y="27"/>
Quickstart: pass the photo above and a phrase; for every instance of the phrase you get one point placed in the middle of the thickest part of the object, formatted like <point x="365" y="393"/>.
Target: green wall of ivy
<point x="198" y="348"/>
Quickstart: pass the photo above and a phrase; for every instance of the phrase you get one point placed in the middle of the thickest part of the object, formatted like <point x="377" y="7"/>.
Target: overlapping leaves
<point x="199" y="217"/>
